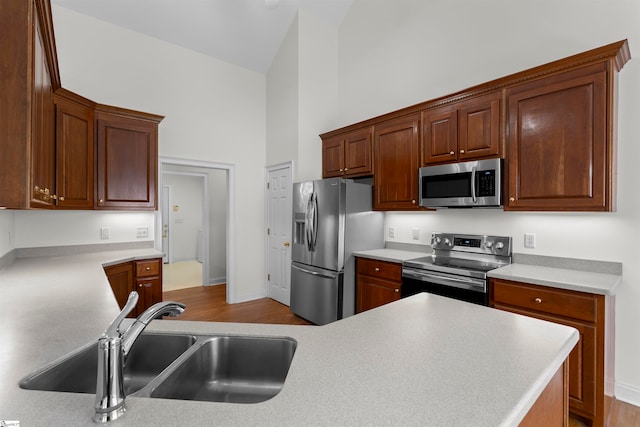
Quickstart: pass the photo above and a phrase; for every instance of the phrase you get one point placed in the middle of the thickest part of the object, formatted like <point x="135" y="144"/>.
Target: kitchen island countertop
<point x="423" y="360"/>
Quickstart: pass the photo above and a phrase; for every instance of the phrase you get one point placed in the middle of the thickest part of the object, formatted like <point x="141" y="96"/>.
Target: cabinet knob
<point x="461" y="151"/>
<point x="148" y="268"/>
<point x="61" y="198"/>
<point x="413" y="201"/>
<point x="101" y="201"/>
<point x="286" y="244"/>
<point x="452" y="152"/>
<point x="512" y="199"/>
<point x="538" y="300"/>
<point x="346" y="169"/>
<point x="341" y="170"/>
<point x="397" y="290"/>
<point x="377" y="269"/>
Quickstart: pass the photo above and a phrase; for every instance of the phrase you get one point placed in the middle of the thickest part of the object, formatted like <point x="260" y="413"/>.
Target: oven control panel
<point x="495" y="245"/>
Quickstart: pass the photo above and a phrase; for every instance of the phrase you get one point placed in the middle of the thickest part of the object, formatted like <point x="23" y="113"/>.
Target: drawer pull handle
<point x="377" y="269"/>
<point x="538" y="300"/>
<point x="397" y="290"/>
<point x="148" y="268"/>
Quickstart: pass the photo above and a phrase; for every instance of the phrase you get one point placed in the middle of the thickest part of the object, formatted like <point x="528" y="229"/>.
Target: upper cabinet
<point x="127" y="159"/>
<point x="560" y="149"/>
<point x="75" y="147"/>
<point x="555" y="126"/>
<point x="396" y="147"/>
<point x="462" y="131"/>
<point x="348" y="154"/>
<point x="48" y="140"/>
<point x="28" y="77"/>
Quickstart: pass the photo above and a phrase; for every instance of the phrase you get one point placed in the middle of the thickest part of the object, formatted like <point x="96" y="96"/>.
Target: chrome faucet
<point x="113" y="349"/>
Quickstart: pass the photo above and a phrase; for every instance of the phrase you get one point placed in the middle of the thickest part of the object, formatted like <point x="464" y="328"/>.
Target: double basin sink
<point x="213" y="368"/>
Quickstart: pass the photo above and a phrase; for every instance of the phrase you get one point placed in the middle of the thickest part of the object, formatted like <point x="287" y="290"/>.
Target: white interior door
<point x="279" y="222"/>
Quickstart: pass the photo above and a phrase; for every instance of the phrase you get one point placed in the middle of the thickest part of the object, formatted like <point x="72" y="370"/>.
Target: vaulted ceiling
<point x="247" y="33"/>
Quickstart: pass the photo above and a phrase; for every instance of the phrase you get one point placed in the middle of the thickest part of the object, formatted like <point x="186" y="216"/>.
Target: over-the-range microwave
<point x="462" y="185"/>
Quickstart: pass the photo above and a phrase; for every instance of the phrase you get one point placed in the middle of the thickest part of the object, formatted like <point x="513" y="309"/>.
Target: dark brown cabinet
<point x="559" y="147"/>
<point x="348" y="155"/>
<point x="591" y="368"/>
<point x="144" y="276"/>
<point x="396" y="156"/>
<point x="462" y="131"/>
<point x="75" y="149"/>
<point x="28" y="77"/>
<point x="377" y="283"/>
<point x="126" y="160"/>
<point x="148" y="283"/>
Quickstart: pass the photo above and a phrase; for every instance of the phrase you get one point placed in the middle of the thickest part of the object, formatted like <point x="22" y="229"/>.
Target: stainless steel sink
<point x="238" y="369"/>
<point x="149" y="356"/>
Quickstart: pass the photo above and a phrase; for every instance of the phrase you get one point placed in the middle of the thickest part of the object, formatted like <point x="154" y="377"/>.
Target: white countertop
<point x="391" y="255"/>
<point x="582" y="281"/>
<point x="424" y="360"/>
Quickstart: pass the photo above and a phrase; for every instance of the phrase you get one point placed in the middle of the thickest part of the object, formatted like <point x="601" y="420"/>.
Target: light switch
<point x="415" y="234"/>
<point x="142" y="232"/>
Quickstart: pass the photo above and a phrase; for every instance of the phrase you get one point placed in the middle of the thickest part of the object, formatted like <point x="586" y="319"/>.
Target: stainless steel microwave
<point x="462" y="185"/>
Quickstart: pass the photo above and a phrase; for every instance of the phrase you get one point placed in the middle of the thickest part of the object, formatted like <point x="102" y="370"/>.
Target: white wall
<point x="214" y="112"/>
<point x="7" y="232"/>
<point x="42" y="228"/>
<point x="395" y="54"/>
<point x="302" y="95"/>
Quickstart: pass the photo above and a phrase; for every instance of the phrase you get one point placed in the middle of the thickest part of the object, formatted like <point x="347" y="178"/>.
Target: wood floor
<point x="208" y="303"/>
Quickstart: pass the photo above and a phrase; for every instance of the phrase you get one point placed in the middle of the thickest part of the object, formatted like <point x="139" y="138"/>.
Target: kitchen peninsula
<point x="421" y="360"/>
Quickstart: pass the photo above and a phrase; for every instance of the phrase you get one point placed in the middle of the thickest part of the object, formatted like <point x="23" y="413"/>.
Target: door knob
<point x="286" y="244"/>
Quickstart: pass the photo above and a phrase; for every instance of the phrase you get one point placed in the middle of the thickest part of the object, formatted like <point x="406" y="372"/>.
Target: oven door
<point x="462" y="288"/>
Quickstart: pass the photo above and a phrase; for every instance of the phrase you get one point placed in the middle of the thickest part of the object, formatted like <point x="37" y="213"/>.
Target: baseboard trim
<point x="220" y="280"/>
<point x="628" y="394"/>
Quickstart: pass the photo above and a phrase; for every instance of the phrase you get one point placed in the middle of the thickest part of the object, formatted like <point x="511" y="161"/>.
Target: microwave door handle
<point x="473" y="183"/>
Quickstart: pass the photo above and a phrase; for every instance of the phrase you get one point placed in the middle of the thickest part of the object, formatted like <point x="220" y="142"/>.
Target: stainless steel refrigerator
<point x="332" y="218"/>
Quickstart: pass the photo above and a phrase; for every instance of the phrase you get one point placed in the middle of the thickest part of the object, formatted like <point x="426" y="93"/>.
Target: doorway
<point x="208" y="223"/>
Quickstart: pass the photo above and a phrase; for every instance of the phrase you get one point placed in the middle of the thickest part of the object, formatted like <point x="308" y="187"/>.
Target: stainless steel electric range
<point x="458" y="266"/>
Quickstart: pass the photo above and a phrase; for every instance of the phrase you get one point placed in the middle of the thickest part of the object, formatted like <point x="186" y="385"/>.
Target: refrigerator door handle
<point x="314" y="207"/>
<point x="307" y="224"/>
<point x="314" y="273"/>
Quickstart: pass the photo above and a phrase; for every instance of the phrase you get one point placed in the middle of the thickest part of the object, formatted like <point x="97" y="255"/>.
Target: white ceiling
<point x="247" y="33"/>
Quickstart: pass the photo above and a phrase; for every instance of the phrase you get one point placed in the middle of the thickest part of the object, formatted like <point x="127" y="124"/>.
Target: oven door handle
<point x="456" y="282"/>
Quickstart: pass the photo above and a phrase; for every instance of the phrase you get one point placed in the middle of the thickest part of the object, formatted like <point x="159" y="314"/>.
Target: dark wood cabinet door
<point x="373" y="292"/>
<point x="43" y="127"/>
<point x="479" y="127"/>
<point x="357" y="153"/>
<point x="558" y="148"/>
<point x="149" y="293"/>
<point x="120" y="278"/>
<point x="75" y="159"/>
<point x="333" y="157"/>
<point x="396" y="146"/>
<point x="126" y="162"/>
<point x="348" y="154"/>
<point x="439" y="135"/>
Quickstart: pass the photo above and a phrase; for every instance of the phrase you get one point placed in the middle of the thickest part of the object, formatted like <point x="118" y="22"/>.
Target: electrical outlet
<point x="142" y="232"/>
<point x="104" y="233"/>
<point x="415" y="234"/>
<point x="529" y="240"/>
<point x="392" y="232"/>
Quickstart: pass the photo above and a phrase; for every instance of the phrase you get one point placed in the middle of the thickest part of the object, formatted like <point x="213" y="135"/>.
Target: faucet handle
<point x="113" y="330"/>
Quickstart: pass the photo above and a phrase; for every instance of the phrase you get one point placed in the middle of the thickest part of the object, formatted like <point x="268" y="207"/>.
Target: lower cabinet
<point x="591" y="363"/>
<point x="377" y="283"/>
<point x="144" y="276"/>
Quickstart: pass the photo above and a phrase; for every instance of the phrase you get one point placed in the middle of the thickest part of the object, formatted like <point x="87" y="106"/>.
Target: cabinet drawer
<point x="148" y="268"/>
<point x="382" y="269"/>
<point x="543" y="299"/>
